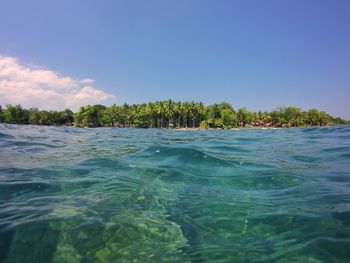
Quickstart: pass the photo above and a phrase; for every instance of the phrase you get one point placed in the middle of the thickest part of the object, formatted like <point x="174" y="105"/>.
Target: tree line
<point x="169" y="114"/>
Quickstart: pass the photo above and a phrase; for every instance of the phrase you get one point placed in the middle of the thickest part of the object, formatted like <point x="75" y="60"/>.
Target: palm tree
<point x="169" y="111"/>
<point x="160" y="111"/>
<point x="186" y="109"/>
<point x="151" y="108"/>
<point x="124" y="115"/>
<point x="200" y="108"/>
<point x="177" y="113"/>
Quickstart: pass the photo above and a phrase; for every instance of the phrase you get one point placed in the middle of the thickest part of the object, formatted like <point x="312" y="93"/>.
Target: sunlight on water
<point x="133" y="195"/>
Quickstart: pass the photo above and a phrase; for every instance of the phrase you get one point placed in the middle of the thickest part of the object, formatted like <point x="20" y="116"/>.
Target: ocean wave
<point x="123" y="195"/>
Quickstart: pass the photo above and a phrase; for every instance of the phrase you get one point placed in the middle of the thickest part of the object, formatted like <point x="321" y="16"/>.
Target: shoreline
<point x="181" y="129"/>
<point x="234" y="129"/>
<point x="242" y="128"/>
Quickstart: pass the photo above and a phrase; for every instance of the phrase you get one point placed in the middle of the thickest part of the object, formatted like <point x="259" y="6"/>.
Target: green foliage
<point x="292" y="116"/>
<point x="168" y="114"/>
<point x="1" y="114"/>
<point x="229" y="118"/>
<point x="245" y="117"/>
<point x="218" y="123"/>
<point x="91" y="116"/>
<point x="288" y="117"/>
<point x="67" y="117"/>
<point x="220" y="116"/>
<point x="18" y="115"/>
<point x="15" y="114"/>
<point x="204" y="125"/>
<point x="339" y="121"/>
<point x="313" y="117"/>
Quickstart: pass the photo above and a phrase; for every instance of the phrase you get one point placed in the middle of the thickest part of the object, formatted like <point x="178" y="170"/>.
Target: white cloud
<point x="87" y="81"/>
<point x="38" y="87"/>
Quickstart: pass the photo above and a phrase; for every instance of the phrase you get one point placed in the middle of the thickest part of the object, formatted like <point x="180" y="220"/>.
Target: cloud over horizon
<point x="46" y="89"/>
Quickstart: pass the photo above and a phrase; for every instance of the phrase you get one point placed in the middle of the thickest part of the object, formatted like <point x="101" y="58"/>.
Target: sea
<point x="76" y="195"/>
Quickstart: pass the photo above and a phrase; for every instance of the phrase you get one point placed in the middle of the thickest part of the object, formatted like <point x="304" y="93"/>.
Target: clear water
<point x="134" y="195"/>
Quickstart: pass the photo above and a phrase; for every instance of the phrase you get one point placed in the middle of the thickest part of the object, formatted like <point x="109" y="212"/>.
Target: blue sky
<point x="259" y="54"/>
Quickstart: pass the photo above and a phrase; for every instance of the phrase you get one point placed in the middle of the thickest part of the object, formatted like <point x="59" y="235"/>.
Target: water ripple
<point x="149" y="195"/>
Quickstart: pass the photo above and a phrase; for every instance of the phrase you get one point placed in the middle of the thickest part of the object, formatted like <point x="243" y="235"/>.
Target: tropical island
<point x="169" y="114"/>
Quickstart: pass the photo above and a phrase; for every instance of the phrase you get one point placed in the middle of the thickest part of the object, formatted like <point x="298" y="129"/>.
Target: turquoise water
<point x="148" y="195"/>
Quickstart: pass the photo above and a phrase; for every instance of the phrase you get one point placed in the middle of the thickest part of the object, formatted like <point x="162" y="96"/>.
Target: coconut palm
<point x="169" y="111"/>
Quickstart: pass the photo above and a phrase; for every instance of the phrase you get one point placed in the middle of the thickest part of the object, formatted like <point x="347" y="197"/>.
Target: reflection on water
<point x="132" y="195"/>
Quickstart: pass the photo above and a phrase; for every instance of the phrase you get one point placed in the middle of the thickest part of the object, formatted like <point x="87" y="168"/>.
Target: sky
<point x="261" y="54"/>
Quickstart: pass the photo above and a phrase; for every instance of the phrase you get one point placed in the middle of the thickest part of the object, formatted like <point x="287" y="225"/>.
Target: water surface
<point x="148" y="195"/>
